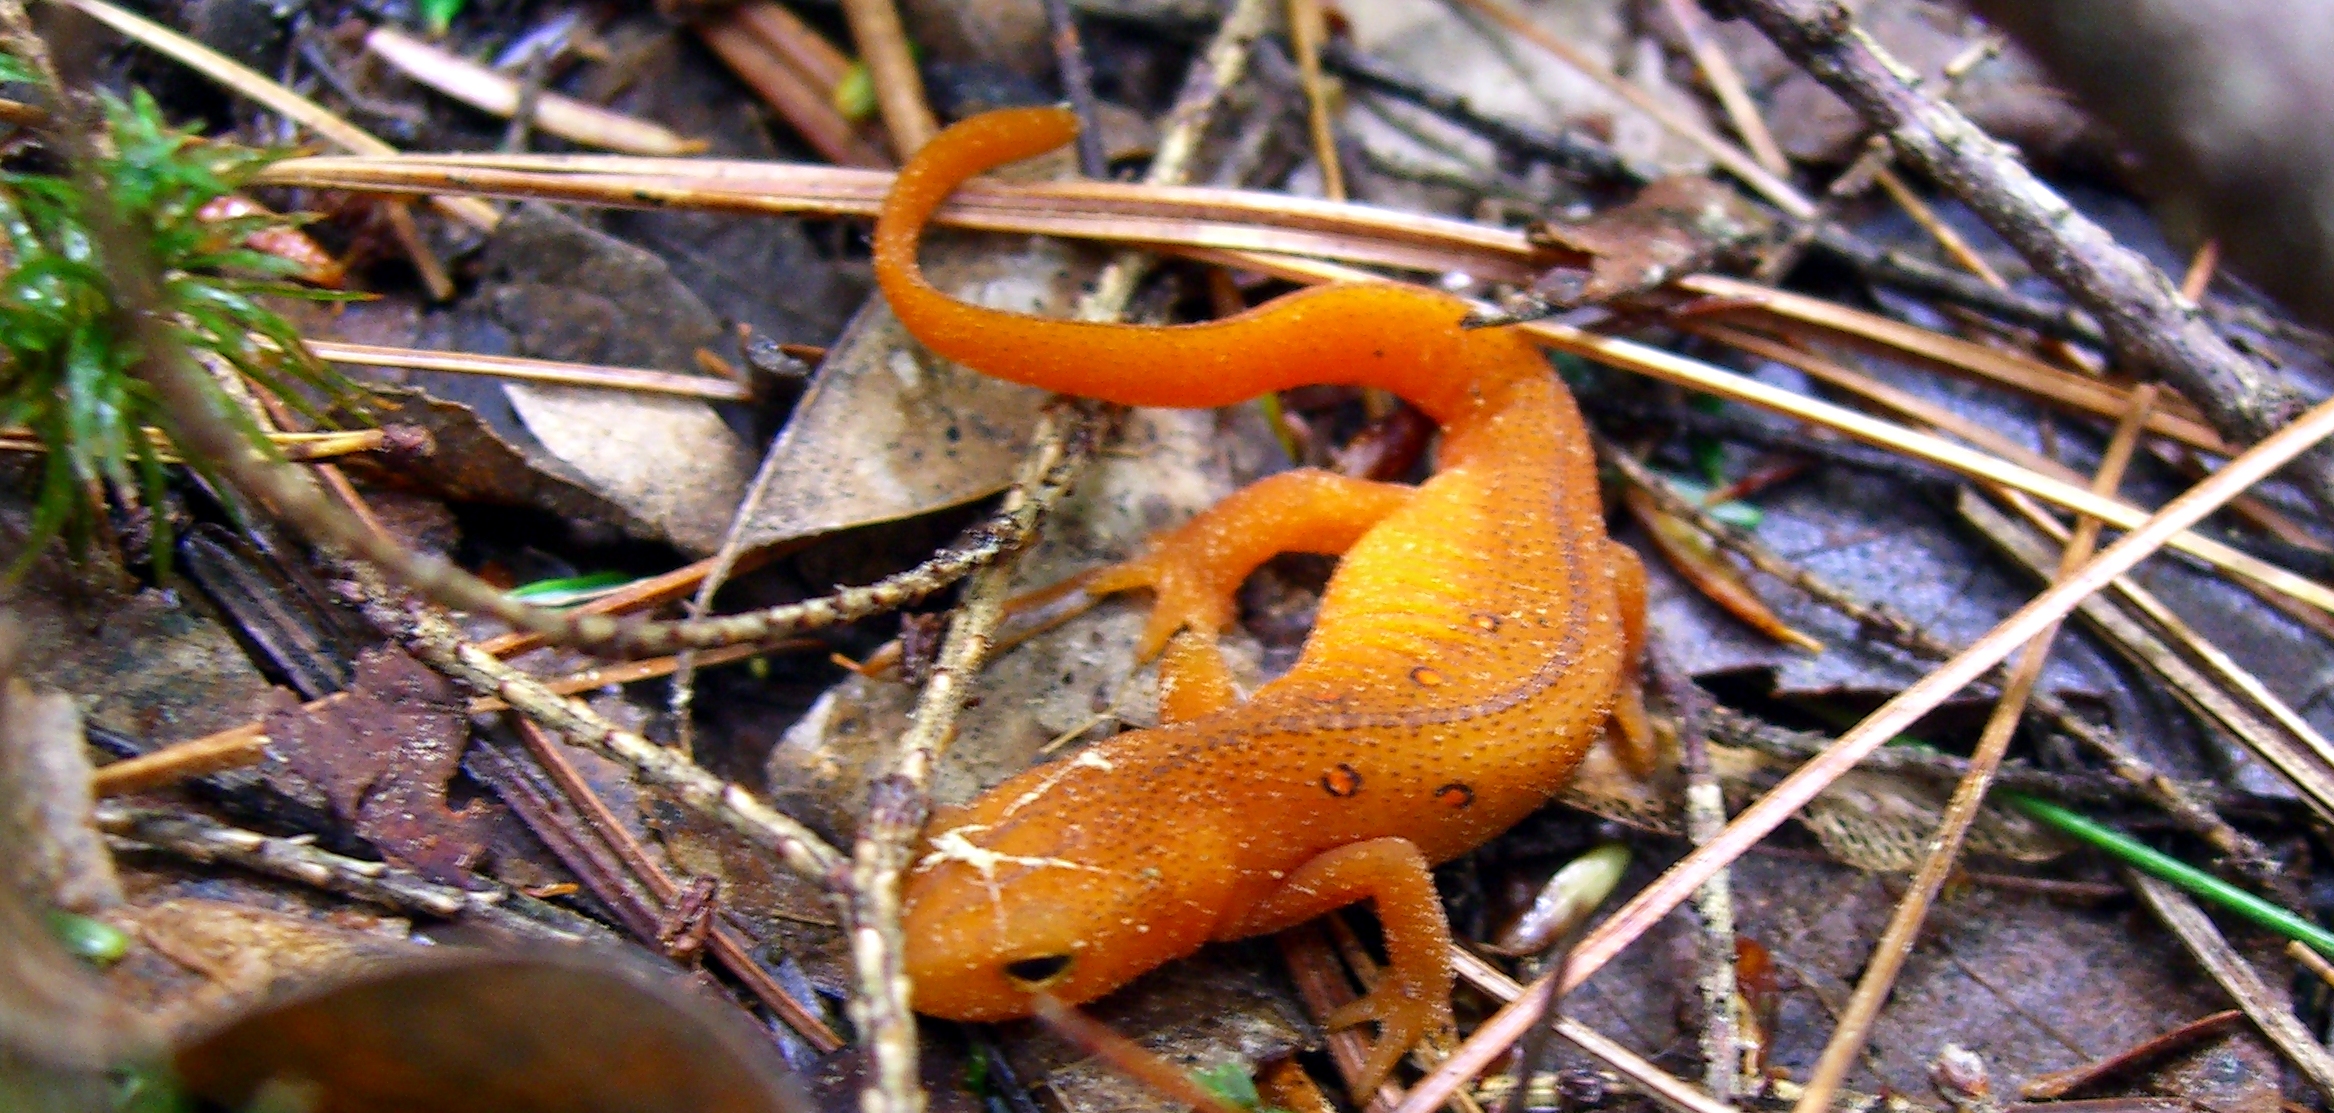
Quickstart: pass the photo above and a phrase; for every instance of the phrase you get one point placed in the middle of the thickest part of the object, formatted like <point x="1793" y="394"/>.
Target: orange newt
<point x="1478" y="634"/>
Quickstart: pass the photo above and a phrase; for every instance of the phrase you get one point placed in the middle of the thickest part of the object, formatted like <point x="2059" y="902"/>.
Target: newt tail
<point x="1474" y="640"/>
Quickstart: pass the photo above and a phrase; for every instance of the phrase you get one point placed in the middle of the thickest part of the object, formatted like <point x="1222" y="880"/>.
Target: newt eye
<point x="1037" y="973"/>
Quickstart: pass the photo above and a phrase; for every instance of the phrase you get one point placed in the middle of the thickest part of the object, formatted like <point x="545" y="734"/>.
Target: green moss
<point x="68" y="363"/>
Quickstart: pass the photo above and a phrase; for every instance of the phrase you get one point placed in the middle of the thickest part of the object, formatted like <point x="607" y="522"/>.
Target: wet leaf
<point x="383" y="753"/>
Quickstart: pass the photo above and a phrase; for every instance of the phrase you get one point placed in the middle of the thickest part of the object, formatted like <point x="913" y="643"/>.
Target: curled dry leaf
<point x="557" y="289"/>
<point x="1677" y="225"/>
<point x="472" y="461"/>
<point x="1690" y="552"/>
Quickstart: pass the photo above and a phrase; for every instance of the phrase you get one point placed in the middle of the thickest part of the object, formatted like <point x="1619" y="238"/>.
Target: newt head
<point x="1051" y="884"/>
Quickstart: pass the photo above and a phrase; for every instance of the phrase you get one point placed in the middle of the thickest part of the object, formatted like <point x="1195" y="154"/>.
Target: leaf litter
<point x="882" y="436"/>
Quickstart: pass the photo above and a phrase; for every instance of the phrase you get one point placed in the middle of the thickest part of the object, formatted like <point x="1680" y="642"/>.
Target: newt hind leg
<point x="1194" y="681"/>
<point x="1413" y="996"/>
<point x="1632" y="730"/>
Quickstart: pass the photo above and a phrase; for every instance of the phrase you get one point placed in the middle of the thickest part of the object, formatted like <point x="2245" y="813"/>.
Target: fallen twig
<point x="1077" y="76"/>
<point x="2150" y="326"/>
<point x="488" y="91"/>
<point x="1721" y="1036"/>
<point x="199" y="839"/>
<point x="282" y="101"/>
<point x="435" y="641"/>
<point x="2180" y="913"/>
<point x="899" y="89"/>
<point x="794" y="72"/>
<point x="729" y="946"/>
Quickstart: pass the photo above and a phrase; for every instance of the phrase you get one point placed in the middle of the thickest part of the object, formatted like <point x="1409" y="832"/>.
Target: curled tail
<point x="1397" y="338"/>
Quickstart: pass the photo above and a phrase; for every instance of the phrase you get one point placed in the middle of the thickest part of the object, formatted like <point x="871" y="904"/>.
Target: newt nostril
<point x="1037" y="973"/>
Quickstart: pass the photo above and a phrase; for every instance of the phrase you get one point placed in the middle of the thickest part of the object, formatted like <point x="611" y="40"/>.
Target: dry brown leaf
<point x="473" y="1032"/>
<point x="886" y="430"/>
<point x="382" y="755"/>
<point x="1677" y="225"/>
<point x="562" y="290"/>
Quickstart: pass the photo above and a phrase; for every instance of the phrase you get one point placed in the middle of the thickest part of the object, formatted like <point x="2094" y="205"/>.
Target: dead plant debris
<point x="390" y="843"/>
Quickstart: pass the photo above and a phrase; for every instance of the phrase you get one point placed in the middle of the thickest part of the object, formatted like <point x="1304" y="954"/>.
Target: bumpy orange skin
<point x="1469" y="648"/>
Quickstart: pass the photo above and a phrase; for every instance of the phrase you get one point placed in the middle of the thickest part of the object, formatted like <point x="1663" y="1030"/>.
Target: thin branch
<point x="1719" y="984"/>
<point x="199" y="839"/>
<point x="434" y="640"/>
<point x="900" y="801"/>
<point x="1077" y="75"/>
<point x="489" y="91"/>
<point x="2153" y="329"/>
<point x="728" y="945"/>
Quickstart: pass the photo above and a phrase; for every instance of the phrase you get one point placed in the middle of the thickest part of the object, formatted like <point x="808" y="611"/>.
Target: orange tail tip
<point x="964" y="150"/>
<point x="1403" y="339"/>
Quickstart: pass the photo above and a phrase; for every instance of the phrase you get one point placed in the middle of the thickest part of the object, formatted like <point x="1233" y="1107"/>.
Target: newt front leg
<point x="1195" y="569"/>
<point x="1413" y="996"/>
